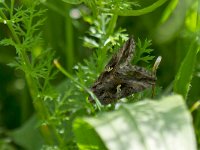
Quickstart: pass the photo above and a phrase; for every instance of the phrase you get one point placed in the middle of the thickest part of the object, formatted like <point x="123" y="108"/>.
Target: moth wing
<point x="133" y="79"/>
<point x="124" y="55"/>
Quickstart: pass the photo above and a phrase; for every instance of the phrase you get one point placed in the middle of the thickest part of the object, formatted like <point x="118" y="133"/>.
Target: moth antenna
<point x="154" y="69"/>
<point x="156" y="64"/>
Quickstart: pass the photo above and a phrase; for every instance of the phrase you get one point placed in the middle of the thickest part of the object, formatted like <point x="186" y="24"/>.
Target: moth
<point x="120" y="78"/>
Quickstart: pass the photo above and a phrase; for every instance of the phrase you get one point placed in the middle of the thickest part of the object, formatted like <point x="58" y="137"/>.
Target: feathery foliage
<point x="57" y="101"/>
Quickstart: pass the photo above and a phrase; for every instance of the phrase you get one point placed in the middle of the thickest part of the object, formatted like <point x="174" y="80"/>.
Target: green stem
<point x="12" y="8"/>
<point x="112" y="24"/>
<point x="16" y="38"/>
<point x="69" y="51"/>
<point x="38" y="105"/>
<point x="198" y="17"/>
<point x="9" y="24"/>
<point x="57" y="64"/>
<point x="37" y="102"/>
<point x="54" y="8"/>
<point x="140" y="11"/>
<point x="6" y="6"/>
<point x="32" y="86"/>
<point x="31" y="83"/>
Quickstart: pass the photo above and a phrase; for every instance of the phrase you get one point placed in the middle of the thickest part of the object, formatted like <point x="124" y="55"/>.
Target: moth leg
<point x="109" y="69"/>
<point x="119" y="90"/>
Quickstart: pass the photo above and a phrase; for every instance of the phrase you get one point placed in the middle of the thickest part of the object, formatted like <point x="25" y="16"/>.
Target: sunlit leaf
<point x="191" y="21"/>
<point x="152" y="125"/>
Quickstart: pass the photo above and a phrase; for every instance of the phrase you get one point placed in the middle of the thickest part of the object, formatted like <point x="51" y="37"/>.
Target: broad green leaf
<point x="28" y="136"/>
<point x="167" y="30"/>
<point x="87" y="136"/>
<point x="147" y="125"/>
<point x="73" y="1"/>
<point x="185" y="73"/>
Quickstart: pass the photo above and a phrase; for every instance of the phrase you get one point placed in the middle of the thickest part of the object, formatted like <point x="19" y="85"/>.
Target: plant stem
<point x="112" y="24"/>
<point x="54" y="8"/>
<point x="69" y="51"/>
<point x="139" y="12"/>
<point x="198" y="17"/>
<point x="39" y="106"/>
<point x="57" y="64"/>
<point x="37" y="102"/>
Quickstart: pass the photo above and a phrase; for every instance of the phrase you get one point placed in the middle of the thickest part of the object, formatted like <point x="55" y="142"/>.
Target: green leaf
<point x="185" y="73"/>
<point x="169" y="10"/>
<point x="143" y="51"/>
<point x="146" y="125"/>
<point x="73" y="1"/>
<point x="172" y="22"/>
<point x="28" y="136"/>
<point x="87" y="138"/>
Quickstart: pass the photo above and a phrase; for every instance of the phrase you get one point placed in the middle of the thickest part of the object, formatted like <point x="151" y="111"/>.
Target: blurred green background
<point x="63" y="31"/>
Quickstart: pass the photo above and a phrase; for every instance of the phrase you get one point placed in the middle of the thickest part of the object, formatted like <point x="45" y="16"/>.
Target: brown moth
<point x="120" y="78"/>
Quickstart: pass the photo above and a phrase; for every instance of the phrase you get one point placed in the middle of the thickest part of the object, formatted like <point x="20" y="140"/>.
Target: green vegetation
<point x="52" y="51"/>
